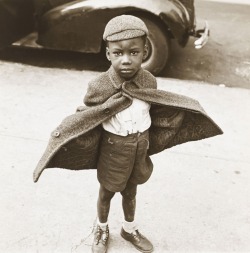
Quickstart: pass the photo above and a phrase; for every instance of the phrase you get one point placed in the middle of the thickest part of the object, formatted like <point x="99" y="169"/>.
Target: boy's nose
<point x="126" y="59"/>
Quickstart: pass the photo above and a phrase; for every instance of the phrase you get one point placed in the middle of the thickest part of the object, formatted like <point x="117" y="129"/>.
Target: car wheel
<point x="158" y="44"/>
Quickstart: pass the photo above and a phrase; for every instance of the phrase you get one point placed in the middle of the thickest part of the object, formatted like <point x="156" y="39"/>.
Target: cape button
<point x="55" y="133"/>
<point x="106" y="110"/>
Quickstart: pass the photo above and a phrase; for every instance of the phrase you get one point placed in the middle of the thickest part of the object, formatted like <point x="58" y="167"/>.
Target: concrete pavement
<point x="230" y="1"/>
<point x="197" y="200"/>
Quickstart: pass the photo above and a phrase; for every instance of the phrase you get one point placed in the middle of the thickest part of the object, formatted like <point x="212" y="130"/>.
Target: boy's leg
<point x="101" y="236"/>
<point x="129" y="202"/>
<point x="129" y="229"/>
<point x="103" y="204"/>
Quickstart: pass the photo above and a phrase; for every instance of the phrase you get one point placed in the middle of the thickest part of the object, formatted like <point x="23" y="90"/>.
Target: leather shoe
<point x="138" y="240"/>
<point x="101" y="238"/>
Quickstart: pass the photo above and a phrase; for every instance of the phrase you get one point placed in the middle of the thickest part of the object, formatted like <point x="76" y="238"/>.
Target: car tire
<point x="159" y="47"/>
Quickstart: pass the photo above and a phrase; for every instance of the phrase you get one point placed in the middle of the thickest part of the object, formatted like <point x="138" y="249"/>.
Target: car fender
<point x="79" y="25"/>
<point x="16" y="20"/>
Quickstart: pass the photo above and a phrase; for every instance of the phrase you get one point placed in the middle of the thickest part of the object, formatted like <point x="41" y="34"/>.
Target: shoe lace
<point x="137" y="235"/>
<point x="102" y="235"/>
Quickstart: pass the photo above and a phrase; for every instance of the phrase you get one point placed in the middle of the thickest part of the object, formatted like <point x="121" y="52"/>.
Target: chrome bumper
<point x="202" y="36"/>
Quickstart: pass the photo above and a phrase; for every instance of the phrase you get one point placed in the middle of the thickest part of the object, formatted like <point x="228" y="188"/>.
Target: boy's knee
<point x="105" y="195"/>
<point x="129" y="192"/>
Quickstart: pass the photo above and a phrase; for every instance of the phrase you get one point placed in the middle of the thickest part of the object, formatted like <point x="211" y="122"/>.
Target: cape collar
<point x="118" y="81"/>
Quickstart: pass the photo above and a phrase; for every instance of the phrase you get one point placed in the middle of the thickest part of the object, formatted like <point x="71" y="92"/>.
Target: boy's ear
<point x="145" y="52"/>
<point x="107" y="53"/>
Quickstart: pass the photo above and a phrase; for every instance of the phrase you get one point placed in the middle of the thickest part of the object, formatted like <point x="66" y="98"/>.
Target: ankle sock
<point x="129" y="227"/>
<point x="103" y="226"/>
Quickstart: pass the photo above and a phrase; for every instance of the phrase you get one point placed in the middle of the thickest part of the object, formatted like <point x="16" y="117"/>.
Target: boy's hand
<point x="81" y="108"/>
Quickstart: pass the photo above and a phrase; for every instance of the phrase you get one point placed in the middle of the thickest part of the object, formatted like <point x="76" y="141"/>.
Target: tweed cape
<point x="176" y="119"/>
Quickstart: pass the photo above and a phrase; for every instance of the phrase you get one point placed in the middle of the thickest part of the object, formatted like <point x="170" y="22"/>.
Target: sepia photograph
<point x="125" y="126"/>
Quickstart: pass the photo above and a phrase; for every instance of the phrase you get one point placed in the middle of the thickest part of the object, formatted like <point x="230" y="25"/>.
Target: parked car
<point x="79" y="25"/>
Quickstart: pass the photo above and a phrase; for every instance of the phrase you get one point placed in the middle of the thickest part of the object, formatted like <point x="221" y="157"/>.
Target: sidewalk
<point x="230" y="1"/>
<point x="197" y="200"/>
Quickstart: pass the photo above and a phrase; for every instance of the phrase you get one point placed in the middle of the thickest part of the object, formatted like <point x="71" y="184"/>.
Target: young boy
<point x="125" y="120"/>
<point x="123" y="162"/>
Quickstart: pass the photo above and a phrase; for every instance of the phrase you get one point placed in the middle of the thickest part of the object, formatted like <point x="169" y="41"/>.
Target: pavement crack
<point x="84" y="241"/>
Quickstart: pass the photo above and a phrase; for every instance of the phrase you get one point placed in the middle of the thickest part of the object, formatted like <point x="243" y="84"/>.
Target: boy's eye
<point x="117" y="53"/>
<point x="134" y="52"/>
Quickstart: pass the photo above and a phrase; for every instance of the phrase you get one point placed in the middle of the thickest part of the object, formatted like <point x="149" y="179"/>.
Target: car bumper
<point x="202" y="35"/>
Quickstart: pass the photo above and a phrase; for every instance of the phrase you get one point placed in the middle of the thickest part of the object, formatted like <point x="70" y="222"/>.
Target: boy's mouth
<point x="126" y="70"/>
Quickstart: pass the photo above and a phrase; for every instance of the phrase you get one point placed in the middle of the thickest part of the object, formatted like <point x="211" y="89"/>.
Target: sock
<point x="129" y="227"/>
<point x="103" y="226"/>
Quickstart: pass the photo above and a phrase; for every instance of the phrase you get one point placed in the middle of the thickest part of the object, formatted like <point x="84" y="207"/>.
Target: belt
<point x="137" y="134"/>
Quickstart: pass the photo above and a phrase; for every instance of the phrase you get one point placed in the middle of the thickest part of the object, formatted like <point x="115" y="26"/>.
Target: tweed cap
<point x="124" y="27"/>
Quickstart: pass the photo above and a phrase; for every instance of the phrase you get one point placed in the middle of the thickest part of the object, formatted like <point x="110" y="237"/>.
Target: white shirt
<point x="135" y="118"/>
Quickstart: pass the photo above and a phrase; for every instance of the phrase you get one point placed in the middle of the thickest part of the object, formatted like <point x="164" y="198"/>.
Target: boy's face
<point x="126" y="56"/>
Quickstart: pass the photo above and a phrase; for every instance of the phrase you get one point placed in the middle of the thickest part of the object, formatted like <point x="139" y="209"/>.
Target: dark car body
<point x="79" y="25"/>
<point x="16" y="20"/>
<point x="59" y="28"/>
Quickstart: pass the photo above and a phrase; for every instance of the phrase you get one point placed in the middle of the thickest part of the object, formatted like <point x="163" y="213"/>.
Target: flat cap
<point x="124" y="27"/>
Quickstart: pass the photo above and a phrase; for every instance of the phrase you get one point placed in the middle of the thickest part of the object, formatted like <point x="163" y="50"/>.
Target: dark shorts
<point x="123" y="159"/>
